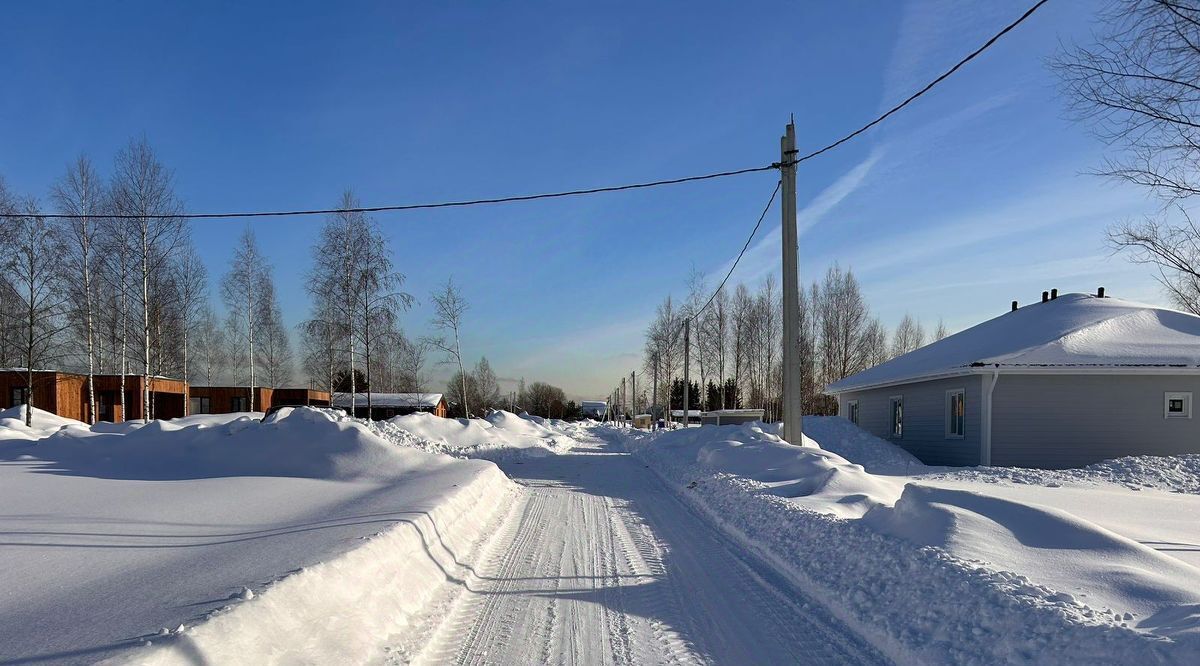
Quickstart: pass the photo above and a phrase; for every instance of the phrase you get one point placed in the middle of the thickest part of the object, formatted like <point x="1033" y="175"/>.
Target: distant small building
<point x="66" y="394"/>
<point x="693" y="415"/>
<point x="593" y="409"/>
<point x="643" y="421"/>
<point x="233" y="399"/>
<point x="1069" y="381"/>
<point x="731" y="416"/>
<point x="386" y="405"/>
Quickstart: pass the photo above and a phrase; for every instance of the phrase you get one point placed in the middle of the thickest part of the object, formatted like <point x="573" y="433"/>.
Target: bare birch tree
<point x="242" y="291"/>
<point x="33" y="271"/>
<point x="142" y="188"/>
<point x="909" y="335"/>
<point x="1137" y="86"/>
<point x="80" y="191"/>
<point x="448" y="309"/>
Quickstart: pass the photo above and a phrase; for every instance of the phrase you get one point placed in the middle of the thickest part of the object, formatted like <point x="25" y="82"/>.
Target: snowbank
<point x="12" y="424"/>
<point x="500" y="434"/>
<point x="305" y="538"/>
<point x="933" y="574"/>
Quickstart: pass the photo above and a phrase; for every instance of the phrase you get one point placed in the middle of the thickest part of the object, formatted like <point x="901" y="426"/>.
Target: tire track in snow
<point x="602" y="563"/>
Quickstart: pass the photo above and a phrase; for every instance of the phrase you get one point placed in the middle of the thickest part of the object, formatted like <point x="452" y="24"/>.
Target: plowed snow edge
<point x="348" y="609"/>
<point x="916" y="604"/>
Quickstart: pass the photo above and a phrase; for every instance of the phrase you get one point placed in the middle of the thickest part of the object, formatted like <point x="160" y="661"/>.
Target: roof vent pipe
<point x="1053" y="294"/>
<point x="1045" y="296"/>
<point x="1099" y="292"/>
<point x="1014" y="306"/>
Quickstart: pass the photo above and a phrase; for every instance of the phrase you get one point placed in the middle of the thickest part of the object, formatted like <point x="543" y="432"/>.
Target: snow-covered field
<point x="311" y="537"/>
<point x="226" y="540"/>
<point x="952" y="565"/>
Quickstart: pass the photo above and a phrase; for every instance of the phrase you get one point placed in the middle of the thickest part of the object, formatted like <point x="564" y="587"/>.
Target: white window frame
<point x="852" y="411"/>
<point x="892" y="400"/>
<point x="1186" y="396"/>
<point x="950" y="413"/>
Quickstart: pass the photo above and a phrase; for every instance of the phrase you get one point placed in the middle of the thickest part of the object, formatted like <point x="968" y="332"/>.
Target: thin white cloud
<point x="764" y="256"/>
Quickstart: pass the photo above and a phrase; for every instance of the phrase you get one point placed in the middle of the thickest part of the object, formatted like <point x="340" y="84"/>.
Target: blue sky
<point x="973" y="197"/>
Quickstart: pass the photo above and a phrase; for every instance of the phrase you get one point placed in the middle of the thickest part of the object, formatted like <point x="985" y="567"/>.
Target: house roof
<point x="416" y="400"/>
<point x="1072" y="333"/>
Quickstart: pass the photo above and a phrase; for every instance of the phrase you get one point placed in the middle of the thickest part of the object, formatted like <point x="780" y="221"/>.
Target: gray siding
<point x="1060" y="421"/>
<point x="924" y="418"/>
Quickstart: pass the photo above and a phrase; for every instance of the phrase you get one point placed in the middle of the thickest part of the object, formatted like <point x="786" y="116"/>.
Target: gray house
<point x="1062" y="383"/>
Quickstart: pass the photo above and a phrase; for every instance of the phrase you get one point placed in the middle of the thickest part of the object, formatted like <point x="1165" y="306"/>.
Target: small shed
<point x="386" y="405"/>
<point x="693" y="415"/>
<point x="643" y="421"/>
<point x="731" y="416"/>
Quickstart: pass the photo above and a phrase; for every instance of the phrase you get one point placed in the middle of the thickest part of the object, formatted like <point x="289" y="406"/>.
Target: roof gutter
<point x="1026" y="370"/>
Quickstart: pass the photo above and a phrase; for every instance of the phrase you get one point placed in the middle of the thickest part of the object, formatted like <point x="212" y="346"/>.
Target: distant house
<point x="387" y="405"/>
<point x="593" y="409"/>
<point x="66" y="394"/>
<point x="233" y="399"/>
<point x="1061" y="383"/>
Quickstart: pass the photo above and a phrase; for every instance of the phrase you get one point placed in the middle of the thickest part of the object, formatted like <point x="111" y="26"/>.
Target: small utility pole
<point x="633" y="390"/>
<point x="622" y="399"/>
<point x="792" y="426"/>
<point x="654" y="392"/>
<point x="687" y="337"/>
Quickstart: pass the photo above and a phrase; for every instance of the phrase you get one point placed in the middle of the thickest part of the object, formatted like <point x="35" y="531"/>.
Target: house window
<point x="956" y="422"/>
<point x="201" y="405"/>
<point x="852" y="411"/>
<point x="237" y="403"/>
<point x="1177" y="405"/>
<point x="897" y="416"/>
<point x="18" y="396"/>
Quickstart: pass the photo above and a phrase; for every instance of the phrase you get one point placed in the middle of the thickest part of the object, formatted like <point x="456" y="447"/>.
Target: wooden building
<point x="66" y="394"/>
<point x="231" y="399"/>
<point x="299" y="397"/>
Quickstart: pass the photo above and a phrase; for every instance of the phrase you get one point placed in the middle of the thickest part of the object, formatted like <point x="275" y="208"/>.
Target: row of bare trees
<point x="120" y="289"/>
<point x="353" y="339"/>
<point x="736" y="343"/>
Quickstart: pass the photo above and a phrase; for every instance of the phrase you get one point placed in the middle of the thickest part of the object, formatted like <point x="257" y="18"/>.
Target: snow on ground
<point x="305" y="538"/>
<point x="943" y="566"/>
<point x="12" y="424"/>
<point x="501" y="434"/>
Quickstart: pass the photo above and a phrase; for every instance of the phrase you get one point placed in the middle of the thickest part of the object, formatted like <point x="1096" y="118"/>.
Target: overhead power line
<point x="929" y="86"/>
<point x="580" y="192"/>
<point x="745" y="246"/>
<point x="423" y="206"/>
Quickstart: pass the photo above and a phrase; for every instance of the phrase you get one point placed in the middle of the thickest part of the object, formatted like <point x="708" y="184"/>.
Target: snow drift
<point x="304" y="538"/>
<point x="500" y="434"/>
<point x="934" y="574"/>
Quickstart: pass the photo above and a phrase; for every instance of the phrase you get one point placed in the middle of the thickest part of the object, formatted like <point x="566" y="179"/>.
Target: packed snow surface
<point x="303" y="538"/>
<point x="1075" y="330"/>
<point x="1085" y="557"/>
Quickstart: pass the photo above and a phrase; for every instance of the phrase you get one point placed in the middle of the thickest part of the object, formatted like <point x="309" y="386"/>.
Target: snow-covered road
<point x="600" y="563"/>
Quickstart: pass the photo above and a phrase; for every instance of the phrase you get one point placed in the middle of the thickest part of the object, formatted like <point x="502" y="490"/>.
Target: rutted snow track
<point x="599" y="563"/>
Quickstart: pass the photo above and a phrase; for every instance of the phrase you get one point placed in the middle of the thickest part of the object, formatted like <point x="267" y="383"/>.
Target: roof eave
<point x="1157" y="369"/>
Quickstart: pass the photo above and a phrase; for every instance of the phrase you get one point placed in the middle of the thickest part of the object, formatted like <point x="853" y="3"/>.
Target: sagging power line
<point x="577" y="192"/>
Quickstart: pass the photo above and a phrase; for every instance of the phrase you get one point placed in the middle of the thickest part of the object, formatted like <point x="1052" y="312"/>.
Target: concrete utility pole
<point x="792" y="426"/>
<point x="633" y="390"/>
<point x="622" y="399"/>
<point x="687" y="337"/>
<point x="654" y="392"/>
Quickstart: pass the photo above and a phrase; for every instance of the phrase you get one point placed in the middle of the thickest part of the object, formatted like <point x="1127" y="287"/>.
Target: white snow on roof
<point x="1071" y="331"/>
<point x="415" y="400"/>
